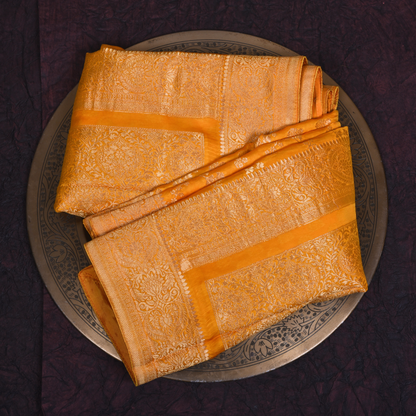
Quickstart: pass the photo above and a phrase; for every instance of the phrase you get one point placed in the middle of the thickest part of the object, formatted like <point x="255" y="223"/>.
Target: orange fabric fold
<point x="330" y="97"/>
<point x="144" y="119"/>
<point x="311" y="93"/>
<point x="194" y="278"/>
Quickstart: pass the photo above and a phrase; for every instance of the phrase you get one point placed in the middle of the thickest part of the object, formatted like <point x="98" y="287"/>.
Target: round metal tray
<point x="57" y="239"/>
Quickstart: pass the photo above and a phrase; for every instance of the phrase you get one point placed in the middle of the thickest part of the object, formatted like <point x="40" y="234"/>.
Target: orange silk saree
<point x="144" y="119"/>
<point x="236" y="232"/>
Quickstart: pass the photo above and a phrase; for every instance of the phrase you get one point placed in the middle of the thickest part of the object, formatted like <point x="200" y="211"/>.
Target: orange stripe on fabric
<point x="208" y="126"/>
<point x="206" y="318"/>
<point x="272" y="247"/>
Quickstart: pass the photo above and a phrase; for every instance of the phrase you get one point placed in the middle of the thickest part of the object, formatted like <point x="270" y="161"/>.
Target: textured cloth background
<point x="367" y="367"/>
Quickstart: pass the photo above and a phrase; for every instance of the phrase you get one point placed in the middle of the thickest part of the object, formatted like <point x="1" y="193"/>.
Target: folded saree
<point x="219" y="194"/>
<point x="277" y="231"/>
<point x="144" y="119"/>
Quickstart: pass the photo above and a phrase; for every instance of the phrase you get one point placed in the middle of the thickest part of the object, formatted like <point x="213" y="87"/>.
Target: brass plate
<point x="57" y="239"/>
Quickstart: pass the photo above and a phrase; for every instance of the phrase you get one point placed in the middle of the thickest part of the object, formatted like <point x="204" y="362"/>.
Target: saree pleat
<point x="330" y="97"/>
<point x="219" y="194"/>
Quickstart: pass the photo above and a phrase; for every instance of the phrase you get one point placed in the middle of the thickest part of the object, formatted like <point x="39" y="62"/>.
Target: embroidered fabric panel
<point x="229" y="99"/>
<point x="262" y="95"/>
<point x="260" y="204"/>
<point x="256" y="296"/>
<point x="111" y="161"/>
<point x="160" y="297"/>
<point x="251" y="95"/>
<point x="169" y="83"/>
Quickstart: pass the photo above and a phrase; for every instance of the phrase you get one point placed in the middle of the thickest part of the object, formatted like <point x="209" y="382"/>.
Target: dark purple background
<point x="367" y="367"/>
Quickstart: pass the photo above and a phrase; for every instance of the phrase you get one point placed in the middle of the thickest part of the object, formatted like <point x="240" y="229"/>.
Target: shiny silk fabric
<point x="219" y="194"/>
<point x="266" y="233"/>
<point x="144" y="119"/>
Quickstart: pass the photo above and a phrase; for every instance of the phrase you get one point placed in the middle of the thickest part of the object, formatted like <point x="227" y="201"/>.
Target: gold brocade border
<point x="208" y="126"/>
<point x="206" y="316"/>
